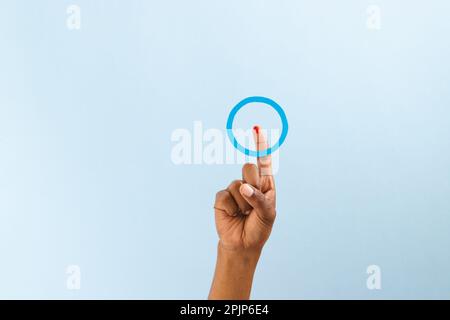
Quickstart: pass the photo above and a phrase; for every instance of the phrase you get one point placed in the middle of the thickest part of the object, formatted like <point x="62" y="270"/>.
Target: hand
<point x="244" y="214"/>
<point x="245" y="211"/>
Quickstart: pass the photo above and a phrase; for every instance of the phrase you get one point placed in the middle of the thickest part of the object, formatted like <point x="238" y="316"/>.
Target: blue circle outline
<point x="260" y="153"/>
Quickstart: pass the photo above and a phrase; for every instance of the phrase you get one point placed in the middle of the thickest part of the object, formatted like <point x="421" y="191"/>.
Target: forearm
<point x="234" y="274"/>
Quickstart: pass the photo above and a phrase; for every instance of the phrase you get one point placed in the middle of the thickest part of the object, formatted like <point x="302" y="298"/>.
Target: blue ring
<point x="269" y="150"/>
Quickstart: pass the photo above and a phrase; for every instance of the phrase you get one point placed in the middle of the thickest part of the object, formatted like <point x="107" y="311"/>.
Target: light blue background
<point x="86" y="117"/>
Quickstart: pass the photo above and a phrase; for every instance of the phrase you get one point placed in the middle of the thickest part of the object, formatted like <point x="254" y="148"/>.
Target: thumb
<point x="253" y="196"/>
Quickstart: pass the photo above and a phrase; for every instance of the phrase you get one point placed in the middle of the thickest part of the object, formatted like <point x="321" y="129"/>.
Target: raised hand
<point x="244" y="214"/>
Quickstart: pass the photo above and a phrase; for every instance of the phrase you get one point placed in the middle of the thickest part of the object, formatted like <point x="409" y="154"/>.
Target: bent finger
<point x="226" y="203"/>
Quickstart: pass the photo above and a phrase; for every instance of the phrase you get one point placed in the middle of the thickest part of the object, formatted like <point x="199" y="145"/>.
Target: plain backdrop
<point x="86" y="118"/>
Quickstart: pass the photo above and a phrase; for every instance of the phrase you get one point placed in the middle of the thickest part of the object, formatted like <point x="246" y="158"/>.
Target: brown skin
<point x="244" y="221"/>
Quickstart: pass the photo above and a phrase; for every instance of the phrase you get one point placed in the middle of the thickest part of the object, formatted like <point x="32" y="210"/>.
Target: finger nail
<point x="246" y="190"/>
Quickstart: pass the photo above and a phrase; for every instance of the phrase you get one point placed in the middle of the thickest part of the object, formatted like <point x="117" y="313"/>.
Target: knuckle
<point x="235" y="184"/>
<point x="248" y="166"/>
<point x="220" y="195"/>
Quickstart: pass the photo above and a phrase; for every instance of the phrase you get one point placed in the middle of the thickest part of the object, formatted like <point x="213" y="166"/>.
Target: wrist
<point x="234" y="273"/>
<point x="248" y="256"/>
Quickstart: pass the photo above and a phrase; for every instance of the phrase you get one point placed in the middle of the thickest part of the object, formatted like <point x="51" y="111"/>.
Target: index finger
<point x="264" y="162"/>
